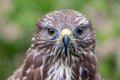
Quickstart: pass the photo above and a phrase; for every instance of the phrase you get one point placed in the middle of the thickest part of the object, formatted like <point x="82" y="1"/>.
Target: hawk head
<point x="62" y="49"/>
<point x="64" y="33"/>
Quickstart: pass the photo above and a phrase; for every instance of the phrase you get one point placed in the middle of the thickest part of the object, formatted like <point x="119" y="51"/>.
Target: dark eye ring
<point x="79" y="31"/>
<point x="51" y="31"/>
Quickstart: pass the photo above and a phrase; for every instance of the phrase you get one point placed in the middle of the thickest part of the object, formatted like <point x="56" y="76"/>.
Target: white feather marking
<point x="80" y="71"/>
<point x="57" y="72"/>
<point x="84" y="21"/>
<point x="41" y="70"/>
<point x="37" y="38"/>
<point x="28" y="70"/>
<point x="17" y="79"/>
<point x="76" y="19"/>
<point x="33" y="39"/>
<point x="86" y="69"/>
<point x="32" y="45"/>
<point x="35" y="52"/>
<point x="24" y="78"/>
<point x="12" y="79"/>
<point x="28" y="50"/>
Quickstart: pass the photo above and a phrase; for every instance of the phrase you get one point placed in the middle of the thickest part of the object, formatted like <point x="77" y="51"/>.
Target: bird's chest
<point x="59" y="72"/>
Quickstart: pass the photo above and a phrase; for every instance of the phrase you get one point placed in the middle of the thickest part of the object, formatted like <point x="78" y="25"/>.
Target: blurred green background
<point x="18" y="18"/>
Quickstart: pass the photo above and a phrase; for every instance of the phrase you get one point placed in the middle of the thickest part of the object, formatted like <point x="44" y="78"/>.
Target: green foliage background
<point x="18" y="18"/>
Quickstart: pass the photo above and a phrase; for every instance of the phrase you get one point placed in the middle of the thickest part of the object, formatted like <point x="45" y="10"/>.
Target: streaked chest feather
<point x="59" y="72"/>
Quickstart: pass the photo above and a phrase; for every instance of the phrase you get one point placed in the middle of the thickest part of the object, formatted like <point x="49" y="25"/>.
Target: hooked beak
<point x="65" y="41"/>
<point x="66" y="37"/>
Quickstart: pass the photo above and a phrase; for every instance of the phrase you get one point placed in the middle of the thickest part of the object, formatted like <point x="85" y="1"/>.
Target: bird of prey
<point x="62" y="48"/>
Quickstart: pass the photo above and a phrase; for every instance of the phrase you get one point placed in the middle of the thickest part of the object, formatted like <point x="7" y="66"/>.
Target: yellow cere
<point x="66" y="31"/>
<point x="63" y="32"/>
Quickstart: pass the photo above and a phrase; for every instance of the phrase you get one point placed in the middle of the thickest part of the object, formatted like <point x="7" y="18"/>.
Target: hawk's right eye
<point x="51" y="31"/>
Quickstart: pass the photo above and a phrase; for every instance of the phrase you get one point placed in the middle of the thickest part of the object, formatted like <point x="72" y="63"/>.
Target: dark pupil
<point x="80" y="31"/>
<point x="51" y="31"/>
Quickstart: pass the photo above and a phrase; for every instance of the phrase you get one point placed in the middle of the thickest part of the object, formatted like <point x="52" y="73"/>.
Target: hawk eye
<point x="51" y="31"/>
<point x="79" y="31"/>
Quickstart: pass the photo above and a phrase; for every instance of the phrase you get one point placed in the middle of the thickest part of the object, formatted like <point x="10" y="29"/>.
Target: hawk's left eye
<point x="79" y="31"/>
<point x="51" y="31"/>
